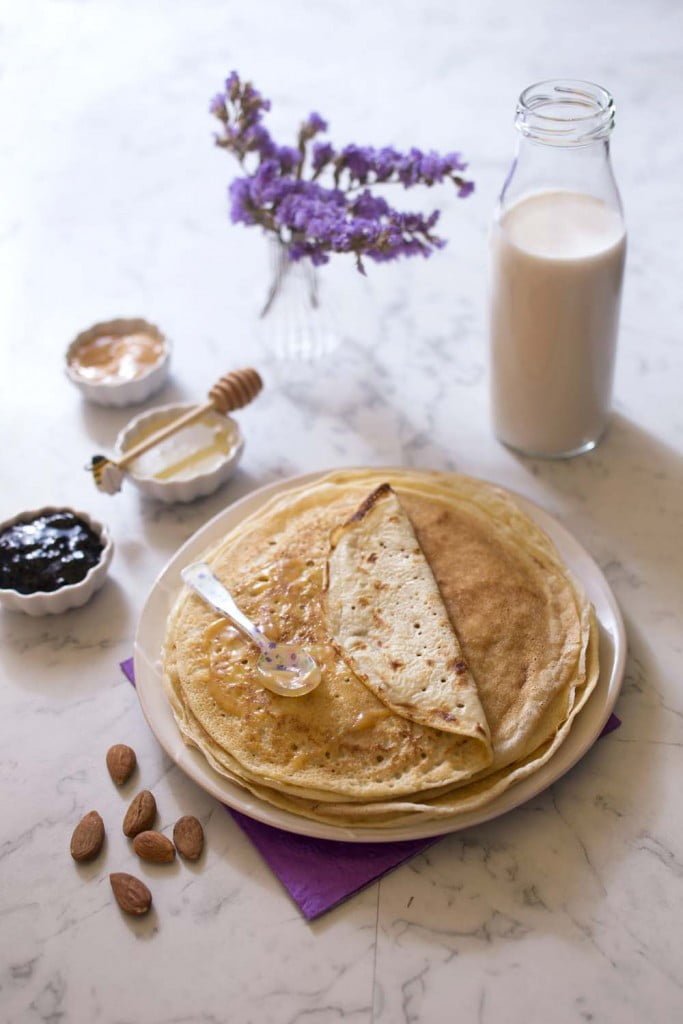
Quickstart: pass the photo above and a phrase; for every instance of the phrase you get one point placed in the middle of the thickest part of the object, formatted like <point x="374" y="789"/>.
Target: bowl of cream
<point x="194" y="462"/>
<point x="119" y="362"/>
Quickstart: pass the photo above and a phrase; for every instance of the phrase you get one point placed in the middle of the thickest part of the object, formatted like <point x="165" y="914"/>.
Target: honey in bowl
<point x="113" y="357"/>
<point x="198" y="448"/>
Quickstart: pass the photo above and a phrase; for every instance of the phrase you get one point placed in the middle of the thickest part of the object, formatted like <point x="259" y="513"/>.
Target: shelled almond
<point x="121" y="763"/>
<point x="154" y="847"/>
<point x="130" y="893"/>
<point x="140" y="815"/>
<point x="188" y="836"/>
<point x="88" y="837"/>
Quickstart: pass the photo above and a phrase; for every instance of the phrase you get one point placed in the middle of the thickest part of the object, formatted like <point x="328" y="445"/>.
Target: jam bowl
<point x="52" y="559"/>
<point x="119" y="362"/>
<point x="192" y="463"/>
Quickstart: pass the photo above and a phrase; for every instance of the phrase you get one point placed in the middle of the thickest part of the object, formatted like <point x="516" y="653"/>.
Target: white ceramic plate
<point x="587" y="727"/>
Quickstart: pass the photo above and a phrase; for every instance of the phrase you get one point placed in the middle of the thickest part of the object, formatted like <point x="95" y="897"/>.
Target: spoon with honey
<point x="285" y="669"/>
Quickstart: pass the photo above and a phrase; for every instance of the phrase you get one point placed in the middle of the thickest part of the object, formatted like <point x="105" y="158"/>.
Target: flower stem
<point x="281" y="268"/>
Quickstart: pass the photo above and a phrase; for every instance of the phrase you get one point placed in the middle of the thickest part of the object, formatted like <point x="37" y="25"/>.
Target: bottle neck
<point x="563" y="143"/>
<point x="565" y="114"/>
<point x="582" y="169"/>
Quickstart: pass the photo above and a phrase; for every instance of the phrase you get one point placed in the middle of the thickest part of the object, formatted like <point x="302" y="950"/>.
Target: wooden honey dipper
<point x="232" y="391"/>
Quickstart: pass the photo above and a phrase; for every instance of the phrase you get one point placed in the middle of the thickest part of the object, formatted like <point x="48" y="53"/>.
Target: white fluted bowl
<point x="121" y="392"/>
<point x="170" y="491"/>
<point x="72" y="595"/>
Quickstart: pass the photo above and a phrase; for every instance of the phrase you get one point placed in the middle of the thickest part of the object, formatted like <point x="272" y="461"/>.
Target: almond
<point x="121" y="762"/>
<point x="130" y="893"/>
<point x="87" y="838"/>
<point x="140" y="815"/>
<point x="188" y="836"/>
<point x="155" y="847"/>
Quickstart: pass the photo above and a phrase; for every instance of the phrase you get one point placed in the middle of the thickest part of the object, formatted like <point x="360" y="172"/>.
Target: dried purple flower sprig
<point x="283" y="192"/>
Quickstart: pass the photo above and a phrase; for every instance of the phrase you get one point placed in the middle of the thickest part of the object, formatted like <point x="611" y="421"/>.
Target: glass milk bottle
<point x="558" y="247"/>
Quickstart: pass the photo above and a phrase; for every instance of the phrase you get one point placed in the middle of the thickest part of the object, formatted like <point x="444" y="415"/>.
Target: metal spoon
<point x="286" y="669"/>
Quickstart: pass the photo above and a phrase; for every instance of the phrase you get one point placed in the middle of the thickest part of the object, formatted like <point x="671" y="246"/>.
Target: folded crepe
<point x="386" y="615"/>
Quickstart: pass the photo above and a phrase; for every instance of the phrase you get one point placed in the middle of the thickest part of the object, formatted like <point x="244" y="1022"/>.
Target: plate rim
<point x="193" y="763"/>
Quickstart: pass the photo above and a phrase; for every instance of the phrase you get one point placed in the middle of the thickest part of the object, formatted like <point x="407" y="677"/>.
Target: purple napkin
<point x="320" y="873"/>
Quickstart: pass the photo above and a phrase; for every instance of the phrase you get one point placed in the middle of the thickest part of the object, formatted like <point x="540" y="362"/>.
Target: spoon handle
<point x="199" y="577"/>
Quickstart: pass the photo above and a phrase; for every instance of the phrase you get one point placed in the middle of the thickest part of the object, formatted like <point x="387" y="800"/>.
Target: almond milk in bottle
<point x="558" y="247"/>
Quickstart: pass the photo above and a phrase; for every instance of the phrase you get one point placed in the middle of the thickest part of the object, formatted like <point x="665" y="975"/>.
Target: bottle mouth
<point x="565" y="112"/>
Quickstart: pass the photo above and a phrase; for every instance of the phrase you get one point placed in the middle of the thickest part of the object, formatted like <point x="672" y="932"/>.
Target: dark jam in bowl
<point x="47" y="552"/>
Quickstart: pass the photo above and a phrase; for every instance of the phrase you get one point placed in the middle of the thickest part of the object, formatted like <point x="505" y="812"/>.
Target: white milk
<point x="557" y="268"/>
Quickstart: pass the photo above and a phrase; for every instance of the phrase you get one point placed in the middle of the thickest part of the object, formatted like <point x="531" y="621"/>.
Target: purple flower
<point x="357" y="160"/>
<point x="258" y="139"/>
<point x="385" y="162"/>
<point x="251" y="98"/>
<point x="316" y="123"/>
<point x="455" y="162"/>
<point x="240" y="202"/>
<point x="323" y="154"/>
<point x="369" y="206"/>
<point x="232" y="86"/>
<point x="430" y="166"/>
<point x="287" y="157"/>
<point x="314" y="220"/>
<point x="217" y="106"/>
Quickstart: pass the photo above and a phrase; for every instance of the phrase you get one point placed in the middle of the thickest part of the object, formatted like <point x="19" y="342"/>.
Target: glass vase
<point x="297" y="319"/>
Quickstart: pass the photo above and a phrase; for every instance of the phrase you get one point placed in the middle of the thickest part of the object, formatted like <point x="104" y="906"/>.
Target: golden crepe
<point x="340" y="754"/>
<point x="386" y="614"/>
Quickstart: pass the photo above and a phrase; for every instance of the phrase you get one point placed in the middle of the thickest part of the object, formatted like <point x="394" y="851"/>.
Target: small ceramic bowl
<point x="72" y="595"/>
<point x="120" y="392"/>
<point x="203" y="482"/>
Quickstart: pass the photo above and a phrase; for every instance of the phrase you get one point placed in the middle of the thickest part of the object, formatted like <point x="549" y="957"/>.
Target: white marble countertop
<point x="569" y="909"/>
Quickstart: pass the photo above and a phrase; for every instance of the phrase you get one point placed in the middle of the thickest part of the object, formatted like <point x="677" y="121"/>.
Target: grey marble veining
<point x="568" y="909"/>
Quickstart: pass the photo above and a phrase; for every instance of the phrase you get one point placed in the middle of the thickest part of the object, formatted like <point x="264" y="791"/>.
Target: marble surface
<point x="113" y="202"/>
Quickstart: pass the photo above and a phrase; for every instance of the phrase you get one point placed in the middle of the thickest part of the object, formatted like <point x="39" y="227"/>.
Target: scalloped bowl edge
<point x="73" y="595"/>
<point x="181" y="491"/>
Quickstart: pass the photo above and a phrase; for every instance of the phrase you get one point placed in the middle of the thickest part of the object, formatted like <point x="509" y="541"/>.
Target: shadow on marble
<point x="145" y="927"/>
<point x="168" y="526"/>
<point x="631" y="489"/>
<point x="151" y="873"/>
<point x="51" y="639"/>
<point x="224" y="840"/>
<point x="103" y="423"/>
<point x="363" y="415"/>
<point x="627" y="496"/>
<point x="548" y="867"/>
<point x="230" y="854"/>
<point x="94" y="870"/>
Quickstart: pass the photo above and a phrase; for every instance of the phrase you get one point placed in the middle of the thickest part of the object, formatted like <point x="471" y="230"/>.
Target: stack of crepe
<point x="455" y="649"/>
